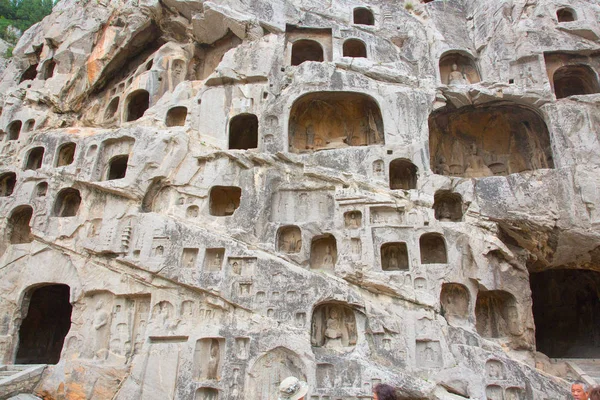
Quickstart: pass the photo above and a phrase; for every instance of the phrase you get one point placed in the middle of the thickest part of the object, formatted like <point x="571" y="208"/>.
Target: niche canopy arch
<point x="458" y="68"/>
<point x="332" y="120"/>
<point x="492" y="139"/>
<point x="566" y="15"/>
<point x="306" y="50"/>
<point x="571" y="80"/>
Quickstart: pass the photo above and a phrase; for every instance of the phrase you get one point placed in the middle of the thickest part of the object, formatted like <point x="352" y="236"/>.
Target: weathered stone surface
<point x="200" y="198"/>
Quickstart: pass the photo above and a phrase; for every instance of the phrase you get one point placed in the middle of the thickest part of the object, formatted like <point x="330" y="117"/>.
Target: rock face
<point x="201" y="198"/>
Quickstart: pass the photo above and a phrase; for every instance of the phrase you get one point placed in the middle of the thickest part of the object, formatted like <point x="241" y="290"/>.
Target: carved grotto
<point x="202" y="198"/>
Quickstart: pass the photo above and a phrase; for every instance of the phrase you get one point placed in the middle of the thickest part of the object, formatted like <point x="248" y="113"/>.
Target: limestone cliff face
<point x="202" y="198"/>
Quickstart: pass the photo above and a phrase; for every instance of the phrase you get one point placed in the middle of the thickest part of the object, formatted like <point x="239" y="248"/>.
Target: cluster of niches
<point x="109" y="162"/>
<point x="392" y="255"/>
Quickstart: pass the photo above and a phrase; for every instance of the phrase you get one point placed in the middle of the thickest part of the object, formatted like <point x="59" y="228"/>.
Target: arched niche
<point x="458" y="68"/>
<point x="224" y="200"/>
<point x="117" y="167"/>
<point x="333" y="326"/>
<point x="67" y="203"/>
<point x="330" y="120"/>
<point x="566" y="15"/>
<point x="41" y="189"/>
<point x="29" y="125"/>
<point x="29" y="74"/>
<point x="8" y="181"/>
<point x="363" y="16"/>
<point x="35" y="157"/>
<point x="323" y="252"/>
<point x="270" y="369"/>
<point x="206" y="393"/>
<point x="137" y="103"/>
<point x="289" y="239"/>
<point x="353" y="219"/>
<point x="66" y="154"/>
<point x="208" y="358"/>
<point x="455" y="300"/>
<point x="19" y="230"/>
<point x="492" y="139"/>
<point x="112" y="108"/>
<point x="48" y="69"/>
<point x="433" y="249"/>
<point x="243" y="132"/>
<point x="571" y="80"/>
<point x="448" y="206"/>
<point x="497" y="314"/>
<point x="176" y="116"/>
<point x="355" y="48"/>
<point x="394" y="256"/>
<point x="14" y="130"/>
<point x="403" y="174"/>
<point x="566" y="312"/>
<point x="47" y="320"/>
<point x="306" y="50"/>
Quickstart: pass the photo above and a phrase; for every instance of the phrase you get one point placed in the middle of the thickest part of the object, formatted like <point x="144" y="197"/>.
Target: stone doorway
<point x="47" y="321"/>
<point x="566" y="312"/>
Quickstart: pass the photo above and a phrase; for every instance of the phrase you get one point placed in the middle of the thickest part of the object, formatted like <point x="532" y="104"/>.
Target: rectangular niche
<point x="325" y="376"/>
<point x="429" y="354"/>
<point x="189" y="257"/>
<point x="206" y="393"/>
<point x="296" y="36"/>
<point x="208" y="356"/>
<point x="289" y="206"/>
<point x="386" y="215"/>
<point x="224" y="200"/>
<point x="113" y="158"/>
<point x="394" y="256"/>
<point x="213" y="259"/>
<point x="243" y="266"/>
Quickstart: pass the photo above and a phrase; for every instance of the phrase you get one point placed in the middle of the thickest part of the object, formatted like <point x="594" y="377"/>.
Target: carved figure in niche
<point x="310" y="137"/>
<point x="494" y="392"/>
<point x="102" y="331"/>
<point x="236" y="268"/>
<point x="494" y="370"/>
<point x="353" y="219"/>
<point x="514" y="325"/>
<point x="333" y="333"/>
<point x="476" y="167"/>
<point x="269" y="371"/>
<point x="393" y="259"/>
<point x="290" y="240"/>
<point x="333" y="326"/>
<point x="378" y="168"/>
<point x="216" y="264"/>
<point x="442" y="167"/>
<point x="429" y="354"/>
<point x="242" y="347"/>
<point x="159" y="251"/>
<point x="457" y="78"/>
<point x="455" y="301"/>
<point x="213" y="361"/>
<point x="328" y="258"/>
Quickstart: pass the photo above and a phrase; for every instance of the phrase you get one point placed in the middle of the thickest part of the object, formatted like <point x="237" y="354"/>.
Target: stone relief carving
<point x="333" y="326"/>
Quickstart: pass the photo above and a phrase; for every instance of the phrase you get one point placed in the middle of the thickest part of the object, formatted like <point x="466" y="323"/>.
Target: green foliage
<point x="21" y="14"/>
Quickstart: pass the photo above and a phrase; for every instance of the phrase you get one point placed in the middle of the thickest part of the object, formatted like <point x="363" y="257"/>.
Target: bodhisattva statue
<point x="456" y="77"/>
<point x="333" y="331"/>
<point x="328" y="258"/>
<point x="476" y="167"/>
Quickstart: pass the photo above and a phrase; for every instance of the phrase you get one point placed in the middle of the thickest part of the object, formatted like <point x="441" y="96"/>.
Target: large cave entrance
<point x="492" y="139"/>
<point x="566" y="312"/>
<point x="45" y="326"/>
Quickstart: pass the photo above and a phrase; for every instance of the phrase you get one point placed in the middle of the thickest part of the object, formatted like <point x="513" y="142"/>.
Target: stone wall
<point x="231" y="199"/>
